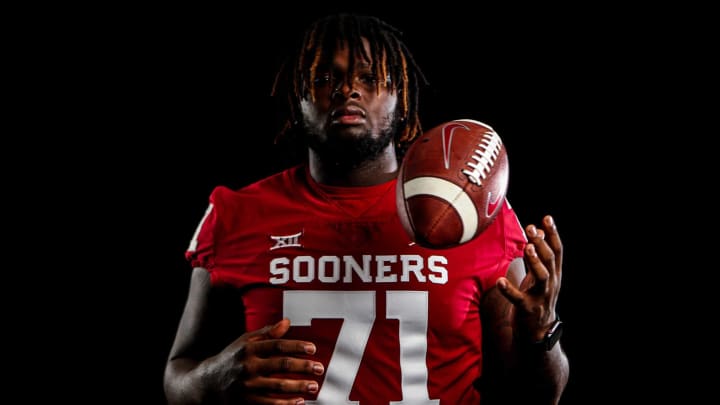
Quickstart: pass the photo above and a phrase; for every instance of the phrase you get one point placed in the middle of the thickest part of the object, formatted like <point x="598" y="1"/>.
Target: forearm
<point x="544" y="375"/>
<point x="185" y="382"/>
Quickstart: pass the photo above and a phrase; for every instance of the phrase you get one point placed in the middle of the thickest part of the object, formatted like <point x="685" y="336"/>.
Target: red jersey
<point x="393" y="322"/>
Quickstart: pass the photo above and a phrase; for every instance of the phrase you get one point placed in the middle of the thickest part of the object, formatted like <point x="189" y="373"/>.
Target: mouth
<point x="348" y="115"/>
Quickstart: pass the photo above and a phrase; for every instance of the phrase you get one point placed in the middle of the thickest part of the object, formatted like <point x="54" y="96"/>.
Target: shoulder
<point x="278" y="183"/>
<point x="227" y="208"/>
<point x="505" y="233"/>
<point x="255" y="201"/>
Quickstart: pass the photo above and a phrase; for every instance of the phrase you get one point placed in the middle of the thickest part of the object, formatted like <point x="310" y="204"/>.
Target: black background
<point x="176" y="101"/>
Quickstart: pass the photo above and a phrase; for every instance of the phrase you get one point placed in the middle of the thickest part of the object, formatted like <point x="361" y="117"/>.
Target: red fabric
<point x="286" y="240"/>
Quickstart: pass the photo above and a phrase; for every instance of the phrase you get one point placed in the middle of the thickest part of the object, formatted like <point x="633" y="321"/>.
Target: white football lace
<point x="484" y="158"/>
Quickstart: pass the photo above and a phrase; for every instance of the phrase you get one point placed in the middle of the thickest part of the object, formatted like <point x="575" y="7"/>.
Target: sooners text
<point x="346" y="269"/>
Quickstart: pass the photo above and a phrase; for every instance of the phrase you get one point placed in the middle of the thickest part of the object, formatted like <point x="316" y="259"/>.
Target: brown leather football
<point x="452" y="183"/>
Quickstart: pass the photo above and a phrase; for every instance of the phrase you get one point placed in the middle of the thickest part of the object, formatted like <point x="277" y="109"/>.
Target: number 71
<point x="357" y="310"/>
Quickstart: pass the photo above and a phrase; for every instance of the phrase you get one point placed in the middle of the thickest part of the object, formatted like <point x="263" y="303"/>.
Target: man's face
<point x="350" y="120"/>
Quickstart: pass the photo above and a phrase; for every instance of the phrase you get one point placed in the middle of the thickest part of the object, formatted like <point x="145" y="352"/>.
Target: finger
<point x="279" y="329"/>
<point x="266" y="342"/>
<point x="265" y="400"/>
<point x="282" y="385"/>
<point x="537" y="246"/>
<point x="553" y="239"/>
<point x="537" y="267"/>
<point x="279" y="347"/>
<point x="269" y="332"/>
<point x="286" y="364"/>
<point x="512" y="293"/>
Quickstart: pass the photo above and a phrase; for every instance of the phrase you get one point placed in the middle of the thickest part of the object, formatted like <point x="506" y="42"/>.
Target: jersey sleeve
<point x="201" y="250"/>
<point x="512" y="240"/>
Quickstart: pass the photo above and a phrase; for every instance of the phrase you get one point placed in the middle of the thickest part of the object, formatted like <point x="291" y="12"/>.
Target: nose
<point x="346" y="90"/>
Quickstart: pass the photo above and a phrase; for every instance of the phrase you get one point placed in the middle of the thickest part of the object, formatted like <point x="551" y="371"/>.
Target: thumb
<point x="509" y="291"/>
<point x="279" y="329"/>
<point x="274" y="331"/>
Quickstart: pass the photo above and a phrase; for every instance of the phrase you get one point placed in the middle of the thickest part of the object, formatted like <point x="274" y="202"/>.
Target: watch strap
<point x="552" y="335"/>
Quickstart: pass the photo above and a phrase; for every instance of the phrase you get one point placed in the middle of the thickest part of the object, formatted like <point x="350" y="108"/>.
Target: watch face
<point x="553" y="335"/>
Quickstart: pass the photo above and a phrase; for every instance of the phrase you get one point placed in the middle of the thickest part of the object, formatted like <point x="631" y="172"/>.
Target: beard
<point x="350" y="150"/>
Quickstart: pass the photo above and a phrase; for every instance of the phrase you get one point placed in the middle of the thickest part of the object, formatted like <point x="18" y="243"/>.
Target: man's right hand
<point x="242" y="371"/>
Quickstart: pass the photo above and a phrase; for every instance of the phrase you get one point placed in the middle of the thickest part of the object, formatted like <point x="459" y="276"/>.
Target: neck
<point x="367" y="173"/>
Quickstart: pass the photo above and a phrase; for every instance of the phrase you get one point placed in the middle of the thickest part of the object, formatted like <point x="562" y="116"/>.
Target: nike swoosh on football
<point x="492" y="205"/>
<point x="447" y="135"/>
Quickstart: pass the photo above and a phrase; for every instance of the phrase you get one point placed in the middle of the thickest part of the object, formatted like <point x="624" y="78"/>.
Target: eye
<point x="322" y="79"/>
<point x="368" y="78"/>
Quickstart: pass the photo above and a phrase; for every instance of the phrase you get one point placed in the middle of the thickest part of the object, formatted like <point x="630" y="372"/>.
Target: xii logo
<point x="286" y="241"/>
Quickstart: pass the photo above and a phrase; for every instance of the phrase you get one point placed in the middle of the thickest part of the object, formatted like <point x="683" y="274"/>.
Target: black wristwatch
<point x="551" y="336"/>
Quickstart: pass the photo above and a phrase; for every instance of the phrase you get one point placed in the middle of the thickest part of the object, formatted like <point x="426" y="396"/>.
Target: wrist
<point x="550" y="337"/>
<point x="540" y="340"/>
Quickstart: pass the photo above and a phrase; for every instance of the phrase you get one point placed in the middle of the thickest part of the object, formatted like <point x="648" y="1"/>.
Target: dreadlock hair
<point x="390" y="60"/>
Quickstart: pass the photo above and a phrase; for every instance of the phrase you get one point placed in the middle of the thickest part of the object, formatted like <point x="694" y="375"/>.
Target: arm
<point x="204" y="369"/>
<point x="517" y="312"/>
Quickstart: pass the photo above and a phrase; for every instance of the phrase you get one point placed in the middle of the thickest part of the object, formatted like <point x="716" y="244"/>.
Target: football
<point x="452" y="183"/>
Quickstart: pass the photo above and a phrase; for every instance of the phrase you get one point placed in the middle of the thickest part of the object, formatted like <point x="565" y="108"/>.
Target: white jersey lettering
<point x="369" y="269"/>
